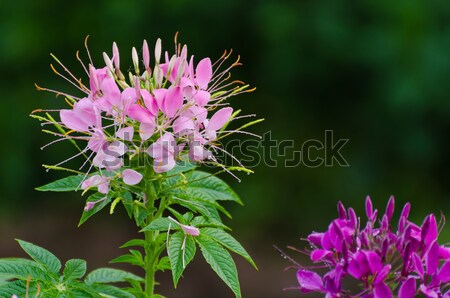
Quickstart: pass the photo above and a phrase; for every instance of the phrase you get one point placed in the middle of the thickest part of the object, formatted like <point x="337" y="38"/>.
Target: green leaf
<point x="181" y="251"/>
<point x="161" y="224"/>
<point x="229" y="242"/>
<point x="41" y="256"/>
<point x="181" y="167"/>
<point x="201" y="221"/>
<point x="163" y="264"/>
<point x="16" y="287"/>
<point x="221" y="262"/>
<point x="135" y="258"/>
<point x="134" y="242"/>
<point x="108" y="275"/>
<point x="70" y="183"/>
<point x="75" y="268"/>
<point x="205" y="186"/>
<point x="99" y="206"/>
<point x="112" y="291"/>
<point x="22" y="269"/>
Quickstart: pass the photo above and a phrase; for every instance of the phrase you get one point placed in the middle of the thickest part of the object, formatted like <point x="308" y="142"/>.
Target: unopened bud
<point x="135" y="58"/>
<point x="158" y="50"/>
<point x="146" y="55"/>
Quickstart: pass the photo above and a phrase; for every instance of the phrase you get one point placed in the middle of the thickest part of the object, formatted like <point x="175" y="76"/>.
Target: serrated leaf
<point x="163" y="264"/>
<point x="134" y="242"/>
<point x="203" y="185"/>
<point x="161" y="224"/>
<point x="22" y="268"/>
<point x="109" y="275"/>
<point x="41" y="256"/>
<point x="132" y="259"/>
<point x="221" y="262"/>
<point x="228" y="241"/>
<point x="99" y="206"/>
<point x="201" y="221"/>
<point x="182" y="166"/>
<point x="112" y="291"/>
<point x="74" y="268"/>
<point x="70" y="183"/>
<point x="181" y="251"/>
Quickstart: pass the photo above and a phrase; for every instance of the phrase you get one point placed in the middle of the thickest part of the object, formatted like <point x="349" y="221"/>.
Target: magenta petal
<point x="70" y="119"/>
<point x="418" y="265"/>
<point x="97" y="140"/>
<point x="407" y="289"/>
<point x="432" y="258"/>
<point x="429" y="230"/>
<point x="319" y="254"/>
<point x="140" y="114"/>
<point x="374" y="261"/>
<point x="202" y="97"/>
<point x="219" y="119"/>
<point x="203" y="73"/>
<point x="381" y="290"/>
<point x="125" y="133"/>
<point x="444" y="273"/>
<point x="173" y="101"/>
<point x="309" y="280"/>
<point x="131" y="177"/>
<point x="150" y="102"/>
<point x="103" y="186"/>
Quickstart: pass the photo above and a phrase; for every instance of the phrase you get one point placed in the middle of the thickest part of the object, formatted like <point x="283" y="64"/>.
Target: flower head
<point x="384" y="262"/>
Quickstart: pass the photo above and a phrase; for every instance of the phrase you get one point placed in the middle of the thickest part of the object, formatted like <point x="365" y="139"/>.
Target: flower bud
<point x="134" y="56"/>
<point x="116" y="57"/>
<point x="146" y="55"/>
<point x="158" y="50"/>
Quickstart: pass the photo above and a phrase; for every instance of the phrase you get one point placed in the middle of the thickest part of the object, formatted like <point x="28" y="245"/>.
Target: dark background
<point x="375" y="72"/>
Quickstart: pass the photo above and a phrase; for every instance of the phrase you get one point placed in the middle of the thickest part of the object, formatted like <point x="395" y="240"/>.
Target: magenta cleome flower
<point x="372" y="259"/>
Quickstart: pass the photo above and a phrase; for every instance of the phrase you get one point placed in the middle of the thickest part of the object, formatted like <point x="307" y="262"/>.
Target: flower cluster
<point x="376" y="260"/>
<point x="173" y="110"/>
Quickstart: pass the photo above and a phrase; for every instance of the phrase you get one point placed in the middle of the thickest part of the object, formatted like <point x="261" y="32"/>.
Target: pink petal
<point x="70" y="119"/>
<point x="97" y="140"/>
<point x="146" y="130"/>
<point x="111" y="91"/>
<point x="150" y="102"/>
<point x="91" y="181"/>
<point x="183" y="123"/>
<point x="220" y="118"/>
<point x="164" y="165"/>
<point x="309" y="281"/>
<point x="407" y="289"/>
<point x="85" y="111"/>
<point x="203" y="73"/>
<point x="103" y="186"/>
<point x="125" y="133"/>
<point x="128" y="97"/>
<point x="131" y="177"/>
<point x="173" y="101"/>
<point x="160" y="96"/>
<point x="202" y="97"/>
<point x="140" y="114"/>
<point x="118" y="147"/>
<point x="190" y="230"/>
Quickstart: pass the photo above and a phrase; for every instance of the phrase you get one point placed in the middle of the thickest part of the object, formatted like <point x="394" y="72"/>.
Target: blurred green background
<point x="375" y="72"/>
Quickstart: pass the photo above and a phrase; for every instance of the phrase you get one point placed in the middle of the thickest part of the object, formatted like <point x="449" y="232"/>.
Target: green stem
<point x="151" y="254"/>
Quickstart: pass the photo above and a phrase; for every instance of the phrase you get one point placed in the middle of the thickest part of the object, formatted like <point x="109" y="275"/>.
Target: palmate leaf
<point x="181" y="251"/>
<point x="221" y="262"/>
<point x="41" y="256"/>
<point x="161" y="224"/>
<point x="70" y="183"/>
<point x="228" y="241"/>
